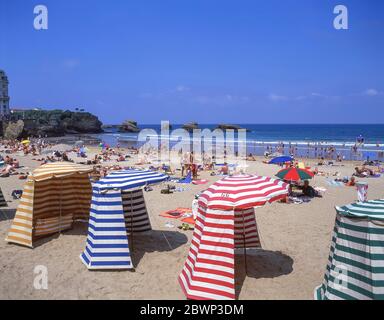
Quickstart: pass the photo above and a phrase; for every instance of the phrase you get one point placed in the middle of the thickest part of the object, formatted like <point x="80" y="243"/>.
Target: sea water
<point x="304" y="140"/>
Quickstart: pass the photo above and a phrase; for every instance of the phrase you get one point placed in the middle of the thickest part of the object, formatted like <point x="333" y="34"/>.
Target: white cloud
<point x="371" y="92"/>
<point x="277" y="98"/>
<point x="181" y="88"/>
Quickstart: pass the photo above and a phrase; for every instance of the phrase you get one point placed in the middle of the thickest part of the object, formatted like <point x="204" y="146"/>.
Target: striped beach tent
<point x="54" y="195"/>
<point x="117" y="209"/>
<point x="225" y="221"/>
<point x="355" y="269"/>
<point x="3" y="203"/>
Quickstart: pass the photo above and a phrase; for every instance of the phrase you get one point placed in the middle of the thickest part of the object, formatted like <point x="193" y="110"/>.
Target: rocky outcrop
<point x="190" y="126"/>
<point x="53" y="123"/>
<point x="13" y="130"/>
<point x="229" y="127"/>
<point x="129" y="126"/>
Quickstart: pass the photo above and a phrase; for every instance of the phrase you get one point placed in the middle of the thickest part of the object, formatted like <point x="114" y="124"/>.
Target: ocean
<point x="305" y="140"/>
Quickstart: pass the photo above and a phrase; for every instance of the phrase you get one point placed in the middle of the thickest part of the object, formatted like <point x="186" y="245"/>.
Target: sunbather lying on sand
<point x="363" y="172"/>
<point x="5" y="172"/>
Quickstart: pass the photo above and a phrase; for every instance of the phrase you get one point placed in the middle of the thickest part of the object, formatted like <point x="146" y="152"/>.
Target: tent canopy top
<point x="372" y="209"/>
<point x="58" y="170"/>
<point x="241" y="192"/>
<point x="130" y="179"/>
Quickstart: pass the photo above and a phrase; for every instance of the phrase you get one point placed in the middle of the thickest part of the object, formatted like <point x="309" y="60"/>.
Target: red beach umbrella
<point x="294" y="174"/>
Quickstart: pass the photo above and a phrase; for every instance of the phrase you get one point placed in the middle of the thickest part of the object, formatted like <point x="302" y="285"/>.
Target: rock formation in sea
<point x="190" y="126"/>
<point x="129" y="126"/>
<point x="230" y="126"/>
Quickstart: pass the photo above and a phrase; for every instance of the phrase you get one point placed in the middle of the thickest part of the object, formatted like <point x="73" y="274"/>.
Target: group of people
<point x="364" y="171"/>
<point x="10" y="165"/>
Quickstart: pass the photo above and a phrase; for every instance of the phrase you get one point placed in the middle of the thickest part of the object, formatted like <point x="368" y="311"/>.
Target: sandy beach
<point x="295" y="240"/>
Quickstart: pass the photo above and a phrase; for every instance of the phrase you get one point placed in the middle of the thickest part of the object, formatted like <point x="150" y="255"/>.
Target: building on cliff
<point x="4" y="98"/>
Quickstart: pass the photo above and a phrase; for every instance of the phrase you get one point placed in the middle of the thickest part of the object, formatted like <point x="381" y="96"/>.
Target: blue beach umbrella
<point x="281" y="159"/>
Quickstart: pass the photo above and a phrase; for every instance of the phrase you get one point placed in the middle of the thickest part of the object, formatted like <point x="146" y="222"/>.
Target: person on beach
<point x="363" y="172"/>
<point x="308" y="190"/>
<point x="224" y="169"/>
<point x="15" y="164"/>
<point x="185" y="164"/>
<point x="5" y="172"/>
<point x="351" y="182"/>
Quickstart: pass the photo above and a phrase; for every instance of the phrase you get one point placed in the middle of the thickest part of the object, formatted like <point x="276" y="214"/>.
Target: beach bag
<point x="16" y="194"/>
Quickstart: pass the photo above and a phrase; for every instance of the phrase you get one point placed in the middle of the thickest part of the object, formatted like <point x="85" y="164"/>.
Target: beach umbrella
<point x="225" y="221"/>
<point x="281" y="159"/>
<point x="129" y="179"/>
<point x="79" y="143"/>
<point x="354" y="269"/>
<point x="294" y="174"/>
<point x="242" y="192"/>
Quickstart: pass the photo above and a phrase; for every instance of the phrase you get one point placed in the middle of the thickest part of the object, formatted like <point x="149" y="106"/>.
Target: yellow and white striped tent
<point x="54" y="195"/>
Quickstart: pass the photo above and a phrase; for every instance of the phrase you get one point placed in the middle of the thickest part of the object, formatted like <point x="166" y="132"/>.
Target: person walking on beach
<point x="185" y="163"/>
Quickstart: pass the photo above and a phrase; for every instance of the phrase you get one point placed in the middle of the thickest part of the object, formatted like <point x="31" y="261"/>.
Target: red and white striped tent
<point x="225" y="221"/>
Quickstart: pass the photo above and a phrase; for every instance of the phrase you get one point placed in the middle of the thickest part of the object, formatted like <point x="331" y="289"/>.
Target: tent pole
<point x="131" y="222"/>
<point x="60" y="196"/>
<point x="244" y="245"/>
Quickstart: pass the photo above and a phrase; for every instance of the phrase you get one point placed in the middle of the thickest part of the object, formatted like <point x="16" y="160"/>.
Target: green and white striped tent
<point x="355" y="268"/>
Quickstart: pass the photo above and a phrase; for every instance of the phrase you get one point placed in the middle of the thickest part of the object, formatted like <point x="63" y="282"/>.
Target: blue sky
<point x="212" y="61"/>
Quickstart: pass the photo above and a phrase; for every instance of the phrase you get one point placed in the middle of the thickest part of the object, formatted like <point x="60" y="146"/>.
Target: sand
<point x="295" y="239"/>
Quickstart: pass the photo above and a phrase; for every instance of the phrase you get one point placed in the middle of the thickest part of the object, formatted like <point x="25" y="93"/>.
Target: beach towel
<point x="189" y="220"/>
<point x="203" y="181"/>
<point x="334" y="183"/>
<point x="180" y="189"/>
<point x="176" y="213"/>
<point x="187" y="179"/>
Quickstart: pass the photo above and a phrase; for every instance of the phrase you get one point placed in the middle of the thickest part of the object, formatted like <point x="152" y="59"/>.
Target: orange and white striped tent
<point x="54" y="195"/>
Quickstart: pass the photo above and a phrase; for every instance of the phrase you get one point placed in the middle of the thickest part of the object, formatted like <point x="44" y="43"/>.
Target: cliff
<point x="54" y="123"/>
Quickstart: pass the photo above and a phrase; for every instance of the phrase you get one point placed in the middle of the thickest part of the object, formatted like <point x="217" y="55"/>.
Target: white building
<point x="4" y="98"/>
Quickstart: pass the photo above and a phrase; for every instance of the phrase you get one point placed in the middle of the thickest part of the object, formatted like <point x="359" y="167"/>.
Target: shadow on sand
<point x="260" y="264"/>
<point x="7" y="214"/>
<point x="151" y="241"/>
<point x="155" y="241"/>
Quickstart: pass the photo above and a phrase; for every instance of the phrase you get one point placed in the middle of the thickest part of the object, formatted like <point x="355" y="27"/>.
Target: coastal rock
<point x="129" y="126"/>
<point x="190" y="126"/>
<point x="13" y="130"/>
<point x="53" y="123"/>
<point x="230" y="126"/>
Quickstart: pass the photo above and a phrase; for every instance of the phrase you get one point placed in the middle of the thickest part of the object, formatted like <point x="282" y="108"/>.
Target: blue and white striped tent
<point x="117" y="207"/>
